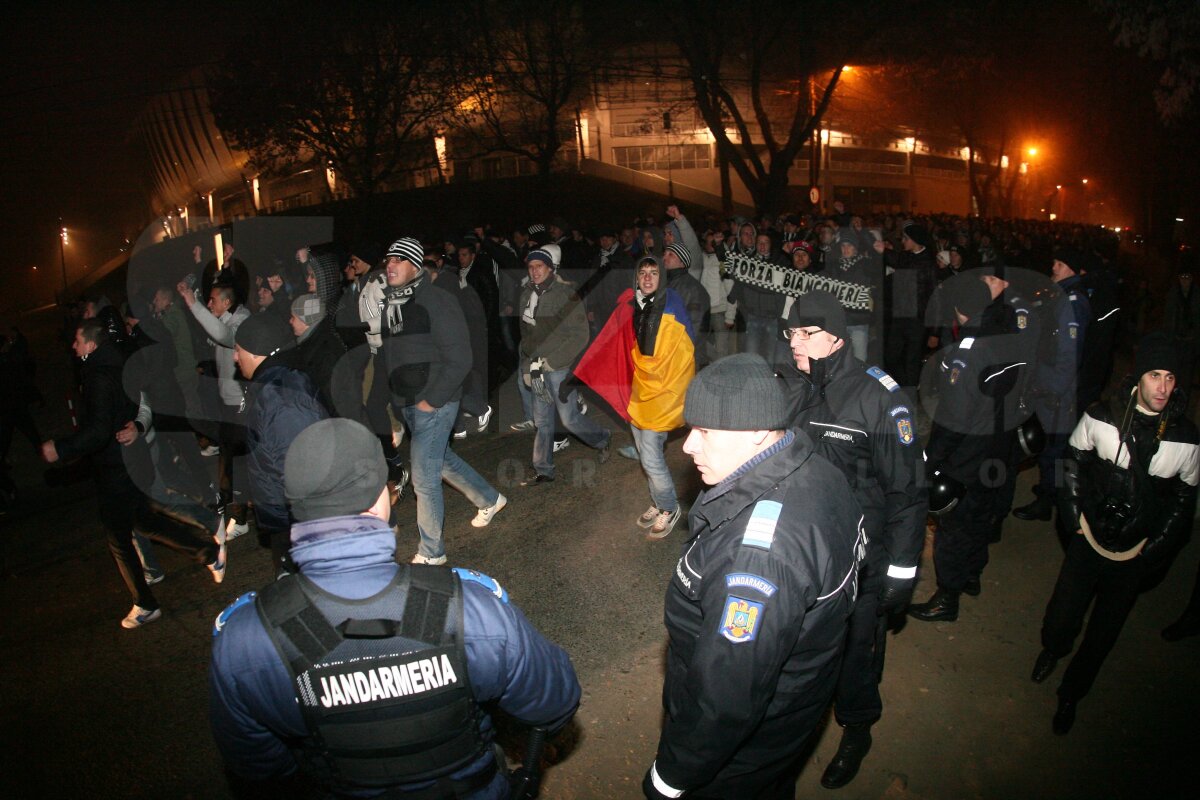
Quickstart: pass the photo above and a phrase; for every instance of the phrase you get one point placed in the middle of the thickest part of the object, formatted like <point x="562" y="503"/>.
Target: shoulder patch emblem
<point x="747" y="581"/>
<point x="223" y="617"/>
<point x="486" y="581"/>
<point x="888" y="381"/>
<point x="904" y="430"/>
<point x="740" y="621"/>
<point x="1022" y="320"/>
<point x="760" y="530"/>
<point x="1073" y="329"/>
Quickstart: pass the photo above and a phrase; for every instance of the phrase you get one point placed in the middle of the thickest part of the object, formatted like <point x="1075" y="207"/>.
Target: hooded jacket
<point x="221" y="334"/>
<point x="106" y="409"/>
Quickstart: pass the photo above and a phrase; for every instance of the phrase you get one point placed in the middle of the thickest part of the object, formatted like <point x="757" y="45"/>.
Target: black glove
<point x="895" y="595"/>
<point x="569" y="384"/>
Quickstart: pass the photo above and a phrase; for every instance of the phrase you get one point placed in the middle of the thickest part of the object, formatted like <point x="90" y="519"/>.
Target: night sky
<point x="74" y="79"/>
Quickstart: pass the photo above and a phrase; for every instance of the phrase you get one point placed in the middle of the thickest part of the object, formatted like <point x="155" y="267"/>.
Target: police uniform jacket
<point x="862" y="421"/>
<point x="757" y="612"/>
<point x="979" y="391"/>
<point x="1058" y="367"/>
<point x="1142" y="487"/>
<point x="253" y="706"/>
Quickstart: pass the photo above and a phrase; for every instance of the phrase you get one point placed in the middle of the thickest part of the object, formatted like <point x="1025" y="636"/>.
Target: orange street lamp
<point x="1033" y="151"/>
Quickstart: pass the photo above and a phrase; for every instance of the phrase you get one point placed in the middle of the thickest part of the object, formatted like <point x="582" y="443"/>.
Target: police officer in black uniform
<point x="862" y="421"/>
<point x="361" y="677"/>
<point x="1056" y="380"/>
<point x="757" y="608"/>
<point x="973" y="432"/>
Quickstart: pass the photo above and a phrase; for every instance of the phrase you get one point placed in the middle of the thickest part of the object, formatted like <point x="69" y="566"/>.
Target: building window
<point x="656" y="157"/>
<point x="870" y="199"/>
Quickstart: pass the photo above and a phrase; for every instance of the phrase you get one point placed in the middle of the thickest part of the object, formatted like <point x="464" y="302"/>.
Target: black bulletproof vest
<point x="382" y="682"/>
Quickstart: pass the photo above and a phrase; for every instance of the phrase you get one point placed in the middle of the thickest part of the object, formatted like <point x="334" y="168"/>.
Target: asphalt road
<point x="88" y="709"/>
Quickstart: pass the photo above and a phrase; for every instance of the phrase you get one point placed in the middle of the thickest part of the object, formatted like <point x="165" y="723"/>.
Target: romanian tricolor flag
<point x="647" y="390"/>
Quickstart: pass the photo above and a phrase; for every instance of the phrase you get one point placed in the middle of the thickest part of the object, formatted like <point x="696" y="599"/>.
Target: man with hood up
<point x="759" y="307"/>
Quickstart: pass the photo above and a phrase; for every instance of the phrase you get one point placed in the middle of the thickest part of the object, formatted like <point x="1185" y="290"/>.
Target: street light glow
<point x="1085" y="181"/>
<point x="1033" y="151"/>
<point x="63" y="234"/>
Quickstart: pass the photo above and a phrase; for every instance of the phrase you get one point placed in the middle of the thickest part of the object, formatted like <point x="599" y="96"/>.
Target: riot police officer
<point x="1056" y="380"/>
<point x="862" y="421"/>
<point x="359" y="676"/>
<point x="973" y="433"/>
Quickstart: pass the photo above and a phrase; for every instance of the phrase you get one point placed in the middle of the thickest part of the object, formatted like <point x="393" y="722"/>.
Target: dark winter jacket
<point x="316" y="355"/>
<point x="862" y="421"/>
<point x="756" y="613"/>
<point x="281" y="402"/>
<point x="106" y="410"/>
<point x="256" y="719"/>
<point x="1151" y="496"/>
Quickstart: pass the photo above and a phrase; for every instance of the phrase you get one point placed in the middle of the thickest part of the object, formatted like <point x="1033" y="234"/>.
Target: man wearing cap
<point x="1056" y="380"/>
<point x="554" y="332"/>
<point x="351" y="677"/>
<point x="425" y="356"/>
<point x="281" y="402"/>
<point x="979" y="384"/>
<point x="318" y="351"/>
<point x="756" y="611"/>
<point x="862" y="421"/>
<point x="912" y="276"/>
<point x="1132" y="466"/>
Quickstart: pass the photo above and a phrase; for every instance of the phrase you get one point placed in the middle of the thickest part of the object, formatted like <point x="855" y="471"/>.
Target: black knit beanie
<point x="736" y="393"/>
<point x="264" y="334"/>
<point x="1157" y="351"/>
<point x="821" y="309"/>
<point x="968" y="293"/>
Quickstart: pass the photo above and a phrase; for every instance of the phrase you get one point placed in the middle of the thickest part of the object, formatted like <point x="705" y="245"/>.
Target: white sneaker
<point x="217" y="568"/>
<point x="523" y="426"/>
<point x="579" y="401"/>
<point x="483" y="420"/>
<point x="154" y="577"/>
<point x="460" y="435"/>
<point x="485" y="515"/>
<point x="210" y="451"/>
<point x="235" y="529"/>
<point x="431" y="560"/>
<point x="561" y="444"/>
<point x="138" y="616"/>
<point x="648" y="516"/>
<point x="663" y="524"/>
<point x="219" y="533"/>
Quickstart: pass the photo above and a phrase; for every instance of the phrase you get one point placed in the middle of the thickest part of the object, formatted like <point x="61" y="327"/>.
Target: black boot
<point x="1064" y="717"/>
<point x="943" y="606"/>
<point x="972" y="587"/>
<point x="1042" y="508"/>
<point x="1046" y="661"/>
<point x="856" y="742"/>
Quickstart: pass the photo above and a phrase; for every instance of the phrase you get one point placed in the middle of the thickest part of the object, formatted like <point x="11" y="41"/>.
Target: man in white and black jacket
<point x="1132" y="466"/>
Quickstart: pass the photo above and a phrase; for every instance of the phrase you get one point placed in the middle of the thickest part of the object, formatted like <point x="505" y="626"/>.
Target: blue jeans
<point x="593" y="435"/>
<point x="432" y="461"/>
<point x="650" y="446"/>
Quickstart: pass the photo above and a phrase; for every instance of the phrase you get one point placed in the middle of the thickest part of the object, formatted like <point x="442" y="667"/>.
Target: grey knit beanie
<point x="736" y="393"/>
<point x="334" y="468"/>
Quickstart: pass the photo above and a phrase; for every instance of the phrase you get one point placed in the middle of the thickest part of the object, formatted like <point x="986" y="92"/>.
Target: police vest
<point x="382" y="682"/>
